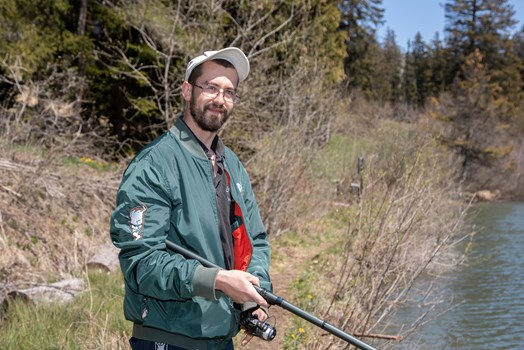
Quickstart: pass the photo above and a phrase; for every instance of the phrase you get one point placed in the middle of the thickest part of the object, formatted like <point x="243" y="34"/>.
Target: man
<point x="187" y="187"/>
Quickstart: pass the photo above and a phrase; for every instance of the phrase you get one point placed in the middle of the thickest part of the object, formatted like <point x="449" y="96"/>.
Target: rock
<point x="106" y="258"/>
<point x="487" y="195"/>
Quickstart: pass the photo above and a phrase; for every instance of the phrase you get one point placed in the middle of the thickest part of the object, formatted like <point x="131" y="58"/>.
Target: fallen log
<point x="62" y="291"/>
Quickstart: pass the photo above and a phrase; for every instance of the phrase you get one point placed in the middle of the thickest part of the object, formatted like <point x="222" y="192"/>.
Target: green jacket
<point x="167" y="192"/>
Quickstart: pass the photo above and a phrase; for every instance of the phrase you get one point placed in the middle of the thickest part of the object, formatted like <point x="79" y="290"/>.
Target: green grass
<point x="94" y="320"/>
<point x="338" y="159"/>
<point x="304" y="290"/>
<point x="98" y="165"/>
<point x="339" y="156"/>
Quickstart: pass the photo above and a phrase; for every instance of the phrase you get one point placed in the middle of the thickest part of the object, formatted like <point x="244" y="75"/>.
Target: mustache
<point x="221" y="108"/>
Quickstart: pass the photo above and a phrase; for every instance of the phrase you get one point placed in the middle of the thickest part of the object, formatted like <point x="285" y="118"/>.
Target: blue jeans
<point x="140" y="344"/>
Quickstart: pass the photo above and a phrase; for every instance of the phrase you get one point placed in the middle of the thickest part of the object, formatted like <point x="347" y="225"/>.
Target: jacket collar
<point x="183" y="133"/>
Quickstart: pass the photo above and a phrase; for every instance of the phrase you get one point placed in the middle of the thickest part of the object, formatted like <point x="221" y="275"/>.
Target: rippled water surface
<point x="488" y="290"/>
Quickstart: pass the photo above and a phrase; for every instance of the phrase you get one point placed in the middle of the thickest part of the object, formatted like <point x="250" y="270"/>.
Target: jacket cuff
<point x="204" y="282"/>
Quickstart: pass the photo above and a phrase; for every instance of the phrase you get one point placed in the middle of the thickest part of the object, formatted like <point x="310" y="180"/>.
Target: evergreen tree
<point x="439" y="62"/>
<point x="477" y="132"/>
<point x="43" y="43"/>
<point x="36" y="32"/>
<point x="422" y="69"/>
<point x="387" y="75"/>
<point x="518" y="40"/>
<point x="360" y="19"/>
<point x="409" y="78"/>
<point x="483" y="25"/>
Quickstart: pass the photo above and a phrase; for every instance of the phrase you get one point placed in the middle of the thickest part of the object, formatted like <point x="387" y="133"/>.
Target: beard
<point x="206" y="120"/>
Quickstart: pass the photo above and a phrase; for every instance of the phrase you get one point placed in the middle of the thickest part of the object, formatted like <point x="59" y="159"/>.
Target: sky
<point x="407" y="17"/>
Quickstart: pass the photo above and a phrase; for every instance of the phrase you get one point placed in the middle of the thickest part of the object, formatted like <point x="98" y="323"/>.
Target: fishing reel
<point x="254" y="326"/>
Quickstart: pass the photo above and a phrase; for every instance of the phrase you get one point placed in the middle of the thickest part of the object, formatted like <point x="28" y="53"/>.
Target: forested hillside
<point x="84" y="84"/>
<point x="108" y="73"/>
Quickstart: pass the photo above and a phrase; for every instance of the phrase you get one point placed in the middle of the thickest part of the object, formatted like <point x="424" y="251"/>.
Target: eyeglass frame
<point x="207" y="86"/>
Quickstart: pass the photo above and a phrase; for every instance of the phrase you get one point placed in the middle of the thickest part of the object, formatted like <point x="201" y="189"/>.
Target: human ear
<point x="187" y="89"/>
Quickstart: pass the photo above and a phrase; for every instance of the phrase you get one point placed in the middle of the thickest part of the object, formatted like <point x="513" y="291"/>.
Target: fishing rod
<point x="273" y="299"/>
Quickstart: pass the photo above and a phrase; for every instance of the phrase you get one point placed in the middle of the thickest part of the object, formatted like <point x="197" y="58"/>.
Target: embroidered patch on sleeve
<point x="136" y="221"/>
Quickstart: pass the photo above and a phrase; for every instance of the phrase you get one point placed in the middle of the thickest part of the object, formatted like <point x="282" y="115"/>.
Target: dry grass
<point x="53" y="214"/>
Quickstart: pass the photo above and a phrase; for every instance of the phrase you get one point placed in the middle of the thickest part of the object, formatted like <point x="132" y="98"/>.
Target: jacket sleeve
<point x="139" y="227"/>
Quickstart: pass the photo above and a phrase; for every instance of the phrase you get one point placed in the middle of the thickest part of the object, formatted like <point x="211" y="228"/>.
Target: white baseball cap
<point x="233" y="55"/>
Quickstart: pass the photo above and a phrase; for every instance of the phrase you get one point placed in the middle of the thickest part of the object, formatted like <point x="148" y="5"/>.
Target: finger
<point x="261" y="314"/>
<point x="254" y="280"/>
<point x="246" y="339"/>
<point x="259" y="299"/>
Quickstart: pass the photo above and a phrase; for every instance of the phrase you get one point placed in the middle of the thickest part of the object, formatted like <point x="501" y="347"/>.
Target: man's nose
<point x="220" y="96"/>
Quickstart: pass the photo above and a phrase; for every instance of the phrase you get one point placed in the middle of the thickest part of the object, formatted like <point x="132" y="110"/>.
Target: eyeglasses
<point x="211" y="91"/>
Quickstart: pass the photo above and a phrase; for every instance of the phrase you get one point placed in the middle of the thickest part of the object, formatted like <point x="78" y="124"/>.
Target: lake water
<point x="487" y="290"/>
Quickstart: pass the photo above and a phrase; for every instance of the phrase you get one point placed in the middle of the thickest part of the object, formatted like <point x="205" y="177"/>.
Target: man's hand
<point x="238" y="285"/>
